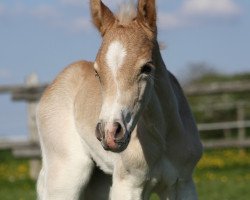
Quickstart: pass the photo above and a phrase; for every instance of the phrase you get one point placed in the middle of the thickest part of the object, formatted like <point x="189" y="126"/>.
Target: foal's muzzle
<point x="112" y="135"/>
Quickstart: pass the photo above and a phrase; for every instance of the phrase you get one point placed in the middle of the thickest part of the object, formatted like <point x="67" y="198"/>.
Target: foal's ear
<point x="147" y="13"/>
<point x="101" y="15"/>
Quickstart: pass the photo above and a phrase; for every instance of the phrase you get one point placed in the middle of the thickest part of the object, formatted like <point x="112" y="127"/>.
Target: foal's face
<point x="125" y="69"/>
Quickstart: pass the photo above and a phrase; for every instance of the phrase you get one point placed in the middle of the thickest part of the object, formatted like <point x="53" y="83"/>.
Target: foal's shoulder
<point x="68" y="81"/>
<point x="79" y="68"/>
<point x="74" y="73"/>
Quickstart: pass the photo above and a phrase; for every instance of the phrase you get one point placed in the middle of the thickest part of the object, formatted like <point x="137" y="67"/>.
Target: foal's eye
<point x="147" y="69"/>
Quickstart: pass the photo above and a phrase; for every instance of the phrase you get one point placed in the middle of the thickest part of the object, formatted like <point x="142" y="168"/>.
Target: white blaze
<point x="115" y="56"/>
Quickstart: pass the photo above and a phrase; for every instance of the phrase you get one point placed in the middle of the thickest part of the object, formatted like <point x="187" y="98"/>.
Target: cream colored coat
<point x="163" y="146"/>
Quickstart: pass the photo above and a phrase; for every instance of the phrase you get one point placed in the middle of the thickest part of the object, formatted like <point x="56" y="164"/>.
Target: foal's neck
<point x="163" y="86"/>
<point x="164" y="102"/>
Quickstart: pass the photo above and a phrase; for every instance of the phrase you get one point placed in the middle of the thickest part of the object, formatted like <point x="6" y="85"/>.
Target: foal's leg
<point x="66" y="164"/>
<point x="126" y="190"/>
<point x="186" y="190"/>
<point x="127" y="186"/>
<point x="98" y="187"/>
<point x="183" y="190"/>
<point x="63" y="178"/>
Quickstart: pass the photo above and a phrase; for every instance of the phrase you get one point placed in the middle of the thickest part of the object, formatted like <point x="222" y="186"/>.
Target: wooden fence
<point x="31" y="92"/>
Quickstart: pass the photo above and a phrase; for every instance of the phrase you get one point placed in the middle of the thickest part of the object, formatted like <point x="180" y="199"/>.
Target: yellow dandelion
<point x="22" y="169"/>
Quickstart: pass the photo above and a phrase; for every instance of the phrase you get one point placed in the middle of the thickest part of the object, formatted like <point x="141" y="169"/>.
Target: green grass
<point x="224" y="175"/>
<point x="220" y="175"/>
<point x="223" y="184"/>
<point x="14" y="179"/>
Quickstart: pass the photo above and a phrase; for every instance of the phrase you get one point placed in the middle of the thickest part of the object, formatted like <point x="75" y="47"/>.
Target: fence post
<point x="35" y="164"/>
<point x="240" y="120"/>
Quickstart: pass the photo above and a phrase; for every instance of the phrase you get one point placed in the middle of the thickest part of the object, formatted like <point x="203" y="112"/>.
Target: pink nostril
<point x="115" y="130"/>
<point x="110" y="134"/>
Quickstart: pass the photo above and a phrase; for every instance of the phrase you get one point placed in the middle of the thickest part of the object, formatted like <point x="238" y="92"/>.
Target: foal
<point x="125" y="113"/>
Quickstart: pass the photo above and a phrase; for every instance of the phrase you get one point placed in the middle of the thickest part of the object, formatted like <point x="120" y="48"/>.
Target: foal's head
<point x="125" y="68"/>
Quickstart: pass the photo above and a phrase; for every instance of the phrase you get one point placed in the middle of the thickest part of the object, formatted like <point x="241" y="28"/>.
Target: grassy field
<point x="14" y="179"/>
<point x="220" y="175"/>
<point x="224" y="175"/>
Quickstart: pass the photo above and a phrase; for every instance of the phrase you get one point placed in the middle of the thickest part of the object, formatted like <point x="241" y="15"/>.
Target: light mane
<point x="127" y="12"/>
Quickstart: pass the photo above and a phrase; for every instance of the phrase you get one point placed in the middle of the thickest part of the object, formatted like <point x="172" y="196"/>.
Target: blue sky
<point x="45" y="36"/>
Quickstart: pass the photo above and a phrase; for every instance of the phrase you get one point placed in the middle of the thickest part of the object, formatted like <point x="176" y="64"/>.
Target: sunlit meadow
<point x="220" y="175"/>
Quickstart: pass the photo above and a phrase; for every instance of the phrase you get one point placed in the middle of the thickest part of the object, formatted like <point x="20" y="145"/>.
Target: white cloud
<point x="38" y="11"/>
<point x="210" y="7"/>
<point x="189" y="13"/>
<point x="49" y="14"/>
<point x="57" y="18"/>
<point x="193" y="12"/>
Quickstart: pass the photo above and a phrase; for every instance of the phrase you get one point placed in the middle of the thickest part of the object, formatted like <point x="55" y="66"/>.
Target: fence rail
<point x="221" y="144"/>
<point x="217" y="88"/>
<point x="223" y="125"/>
<point x="31" y="92"/>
